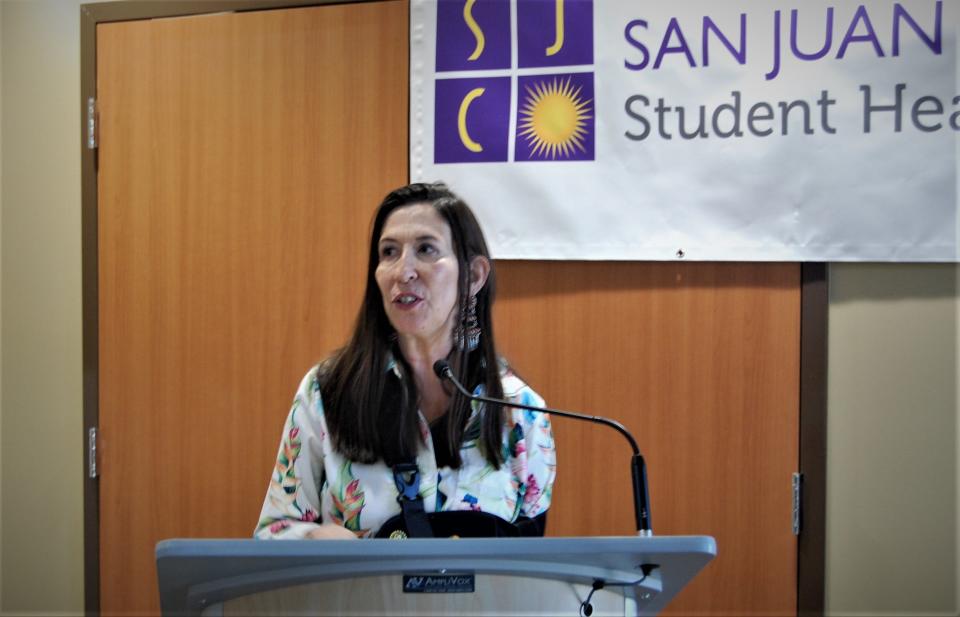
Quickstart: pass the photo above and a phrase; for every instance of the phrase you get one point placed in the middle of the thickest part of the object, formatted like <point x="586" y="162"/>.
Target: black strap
<point x="533" y="527"/>
<point x="407" y="478"/>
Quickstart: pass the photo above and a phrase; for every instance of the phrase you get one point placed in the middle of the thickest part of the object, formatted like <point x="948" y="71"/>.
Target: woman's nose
<point x="408" y="267"/>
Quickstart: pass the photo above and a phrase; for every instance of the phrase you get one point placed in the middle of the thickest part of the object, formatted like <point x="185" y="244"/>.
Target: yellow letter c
<point x="468" y="143"/>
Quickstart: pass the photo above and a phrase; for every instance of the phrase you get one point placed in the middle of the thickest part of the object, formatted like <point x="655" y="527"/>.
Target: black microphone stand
<point x="638" y="467"/>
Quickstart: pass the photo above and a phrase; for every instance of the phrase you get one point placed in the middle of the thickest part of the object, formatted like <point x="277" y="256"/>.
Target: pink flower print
<point x="348" y="501"/>
<point x="276" y="527"/>
<point x="533" y="491"/>
<point x="520" y="448"/>
<point x="289" y="453"/>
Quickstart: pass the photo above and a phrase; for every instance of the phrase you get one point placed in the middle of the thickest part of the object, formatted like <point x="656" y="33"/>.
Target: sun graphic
<point x="554" y="119"/>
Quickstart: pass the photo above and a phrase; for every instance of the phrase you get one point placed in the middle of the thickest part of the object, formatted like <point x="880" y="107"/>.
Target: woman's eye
<point x="428" y="249"/>
<point x="387" y="251"/>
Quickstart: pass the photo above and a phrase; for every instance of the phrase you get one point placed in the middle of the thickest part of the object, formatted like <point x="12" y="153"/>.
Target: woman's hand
<point x="329" y="531"/>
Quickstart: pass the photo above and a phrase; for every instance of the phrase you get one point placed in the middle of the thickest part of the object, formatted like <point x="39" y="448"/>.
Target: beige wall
<point x="892" y="440"/>
<point x="893" y="481"/>
<point x="41" y="540"/>
<point x="1" y="306"/>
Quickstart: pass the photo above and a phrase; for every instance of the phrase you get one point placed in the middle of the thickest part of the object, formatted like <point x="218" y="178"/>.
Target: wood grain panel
<point x="241" y="157"/>
<point x="701" y="362"/>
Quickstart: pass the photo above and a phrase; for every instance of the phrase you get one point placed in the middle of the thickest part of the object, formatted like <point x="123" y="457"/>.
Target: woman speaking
<point x="375" y="443"/>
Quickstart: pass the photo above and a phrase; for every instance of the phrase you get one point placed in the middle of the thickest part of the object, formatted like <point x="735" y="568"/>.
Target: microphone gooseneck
<point x="638" y="467"/>
<point x="442" y="369"/>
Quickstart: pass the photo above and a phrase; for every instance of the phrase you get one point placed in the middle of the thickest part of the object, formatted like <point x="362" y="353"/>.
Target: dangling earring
<point x="468" y="332"/>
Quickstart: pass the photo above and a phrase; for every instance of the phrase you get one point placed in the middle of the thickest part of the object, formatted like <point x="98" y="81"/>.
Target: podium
<point x="469" y="576"/>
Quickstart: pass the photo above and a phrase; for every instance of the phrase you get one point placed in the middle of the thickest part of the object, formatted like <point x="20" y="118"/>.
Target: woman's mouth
<point x="406" y="300"/>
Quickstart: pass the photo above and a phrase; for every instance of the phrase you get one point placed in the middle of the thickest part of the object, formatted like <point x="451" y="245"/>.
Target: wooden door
<point x="241" y="157"/>
<point x="701" y="362"/>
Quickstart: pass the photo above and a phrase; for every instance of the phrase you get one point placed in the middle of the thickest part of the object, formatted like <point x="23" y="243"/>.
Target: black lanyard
<point x="407" y="478"/>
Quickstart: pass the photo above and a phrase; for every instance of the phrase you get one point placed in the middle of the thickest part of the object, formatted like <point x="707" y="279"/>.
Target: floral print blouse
<point x="312" y="483"/>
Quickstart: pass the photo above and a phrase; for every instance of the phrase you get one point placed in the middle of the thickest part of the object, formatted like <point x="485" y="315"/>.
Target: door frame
<point x="813" y="322"/>
<point x="812" y="466"/>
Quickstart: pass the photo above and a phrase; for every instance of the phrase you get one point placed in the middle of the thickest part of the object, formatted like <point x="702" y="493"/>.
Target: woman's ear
<point x="479" y="270"/>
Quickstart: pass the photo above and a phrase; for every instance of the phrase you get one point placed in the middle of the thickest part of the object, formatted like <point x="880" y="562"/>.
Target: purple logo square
<point x="554" y="33"/>
<point x="555" y="118"/>
<point x="471" y="120"/>
<point x="473" y="35"/>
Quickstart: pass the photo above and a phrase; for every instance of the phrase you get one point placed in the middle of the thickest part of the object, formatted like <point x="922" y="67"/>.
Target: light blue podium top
<point x="195" y="574"/>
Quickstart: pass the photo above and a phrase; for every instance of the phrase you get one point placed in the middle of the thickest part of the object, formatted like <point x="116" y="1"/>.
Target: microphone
<point x="638" y="467"/>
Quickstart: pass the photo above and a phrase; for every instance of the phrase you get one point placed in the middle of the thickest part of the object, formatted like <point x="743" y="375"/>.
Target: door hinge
<point x="797" y="494"/>
<point x="91" y="123"/>
<point x="92" y="452"/>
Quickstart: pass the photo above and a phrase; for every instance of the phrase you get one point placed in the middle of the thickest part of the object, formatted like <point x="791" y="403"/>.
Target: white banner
<point x="754" y="130"/>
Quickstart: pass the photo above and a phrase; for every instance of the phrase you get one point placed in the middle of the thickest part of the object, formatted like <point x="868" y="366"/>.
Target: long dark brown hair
<point x="371" y="414"/>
